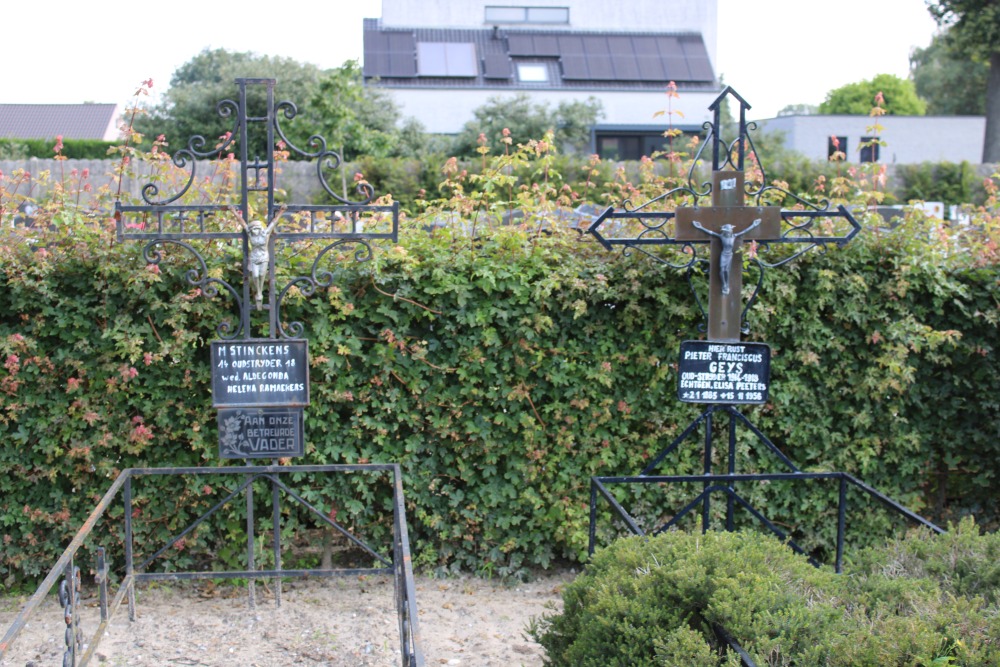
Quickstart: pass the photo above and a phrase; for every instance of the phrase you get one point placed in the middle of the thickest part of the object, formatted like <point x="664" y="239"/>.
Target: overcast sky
<point x="773" y="52"/>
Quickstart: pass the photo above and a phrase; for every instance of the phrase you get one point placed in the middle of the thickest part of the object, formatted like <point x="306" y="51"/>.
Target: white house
<point x="908" y="139"/>
<point x="442" y="59"/>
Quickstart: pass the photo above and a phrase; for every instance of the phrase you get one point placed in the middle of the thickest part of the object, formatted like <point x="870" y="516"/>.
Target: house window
<point x="620" y="147"/>
<point x="532" y="73"/>
<point x="500" y="14"/>
<point x="835" y="144"/>
<point x="446" y="59"/>
<point x="548" y="14"/>
<point x="868" y="151"/>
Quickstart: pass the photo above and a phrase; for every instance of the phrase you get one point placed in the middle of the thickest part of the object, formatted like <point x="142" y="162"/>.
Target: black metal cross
<point x="724" y="224"/>
<point x="162" y="221"/>
<point x="721" y="372"/>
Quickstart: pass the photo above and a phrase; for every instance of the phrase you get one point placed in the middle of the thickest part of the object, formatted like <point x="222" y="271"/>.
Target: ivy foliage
<point x="501" y="365"/>
<point x="502" y="372"/>
<point x="672" y="600"/>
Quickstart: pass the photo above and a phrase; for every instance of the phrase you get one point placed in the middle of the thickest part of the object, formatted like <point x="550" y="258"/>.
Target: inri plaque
<point x="728" y="373"/>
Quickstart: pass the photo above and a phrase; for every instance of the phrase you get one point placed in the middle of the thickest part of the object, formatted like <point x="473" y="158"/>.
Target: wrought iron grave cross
<point x="171" y="219"/>
<point x="725" y="224"/>
<point x="261" y="381"/>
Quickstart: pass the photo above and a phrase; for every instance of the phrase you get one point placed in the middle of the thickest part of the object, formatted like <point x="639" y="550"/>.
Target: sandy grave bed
<point x="343" y="621"/>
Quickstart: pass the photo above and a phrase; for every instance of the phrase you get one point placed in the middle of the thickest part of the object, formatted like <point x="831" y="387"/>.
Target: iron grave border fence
<point x="260" y="385"/>
<point x="66" y="573"/>
<point x="724" y="484"/>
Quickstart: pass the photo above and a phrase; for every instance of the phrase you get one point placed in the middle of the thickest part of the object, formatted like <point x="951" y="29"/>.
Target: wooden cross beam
<point x="166" y="220"/>
<point x="724" y="224"/>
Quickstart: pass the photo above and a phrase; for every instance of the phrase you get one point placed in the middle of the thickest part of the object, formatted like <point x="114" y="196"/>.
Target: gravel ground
<point x="351" y="622"/>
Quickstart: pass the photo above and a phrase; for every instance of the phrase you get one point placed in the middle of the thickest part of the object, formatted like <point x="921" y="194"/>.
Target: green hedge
<point x="925" y="600"/>
<point x="501" y="373"/>
<point x="73" y="149"/>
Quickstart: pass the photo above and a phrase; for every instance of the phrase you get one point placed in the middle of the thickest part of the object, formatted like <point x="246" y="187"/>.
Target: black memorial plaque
<point x="258" y="433"/>
<point x="258" y="373"/>
<point x="728" y="373"/>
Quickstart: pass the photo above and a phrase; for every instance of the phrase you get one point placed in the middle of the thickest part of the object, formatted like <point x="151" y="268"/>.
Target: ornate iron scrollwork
<point x="167" y="221"/>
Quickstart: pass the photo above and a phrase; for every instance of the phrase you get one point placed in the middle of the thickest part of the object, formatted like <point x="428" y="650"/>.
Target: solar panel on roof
<point x="389" y="54"/>
<point x="496" y="66"/>
<point x="644" y="45"/>
<point x="669" y="46"/>
<point x="546" y="45"/>
<point x="697" y="57"/>
<point x="521" y="45"/>
<point x="402" y="65"/>
<point x="600" y="67"/>
<point x="625" y="66"/>
<point x="619" y="44"/>
<point x="677" y="69"/>
<point x="461" y="59"/>
<point x="595" y="45"/>
<point x="575" y="67"/>
<point x="570" y="46"/>
<point x="447" y="59"/>
<point x="701" y="69"/>
<point x="401" y="41"/>
<point x="650" y="68"/>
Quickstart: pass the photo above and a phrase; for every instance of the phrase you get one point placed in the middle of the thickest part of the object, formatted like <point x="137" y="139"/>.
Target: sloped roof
<point x="575" y="59"/>
<point x="47" y="121"/>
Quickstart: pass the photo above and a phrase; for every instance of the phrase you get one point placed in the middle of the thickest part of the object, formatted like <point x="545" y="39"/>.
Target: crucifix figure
<point x="258" y="238"/>
<point x="728" y="240"/>
<point x="724" y="225"/>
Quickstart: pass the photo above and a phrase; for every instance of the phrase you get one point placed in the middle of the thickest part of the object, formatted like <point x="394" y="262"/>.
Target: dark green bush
<point x="924" y="600"/>
<point x="939" y="181"/>
<point x="73" y="149"/>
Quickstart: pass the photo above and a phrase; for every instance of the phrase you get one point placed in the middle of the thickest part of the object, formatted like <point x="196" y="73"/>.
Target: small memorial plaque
<point x="258" y="373"/>
<point x="259" y="433"/>
<point x="731" y="373"/>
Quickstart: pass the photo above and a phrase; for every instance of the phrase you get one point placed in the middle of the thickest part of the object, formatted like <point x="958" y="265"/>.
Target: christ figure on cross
<point x="257" y="237"/>
<point x="728" y="239"/>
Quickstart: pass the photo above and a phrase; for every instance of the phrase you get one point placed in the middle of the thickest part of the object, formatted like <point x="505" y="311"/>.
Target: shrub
<point x="73" y="149"/>
<point x="667" y="600"/>
<point x="943" y="181"/>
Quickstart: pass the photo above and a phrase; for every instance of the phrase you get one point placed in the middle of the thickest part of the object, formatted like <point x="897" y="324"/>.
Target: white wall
<point x="446" y="110"/>
<point x="909" y="139"/>
<point x="604" y="15"/>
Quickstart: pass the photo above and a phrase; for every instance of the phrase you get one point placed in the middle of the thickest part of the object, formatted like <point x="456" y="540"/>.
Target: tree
<point x="973" y="31"/>
<point x="571" y="121"/>
<point x="360" y="120"/>
<point x="951" y="85"/>
<point x="799" y="110"/>
<point x="189" y="106"/>
<point x="859" y="98"/>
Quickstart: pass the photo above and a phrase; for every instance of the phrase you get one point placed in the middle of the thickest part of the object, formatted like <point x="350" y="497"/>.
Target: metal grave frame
<point x="347" y="226"/>
<point x="724" y="222"/>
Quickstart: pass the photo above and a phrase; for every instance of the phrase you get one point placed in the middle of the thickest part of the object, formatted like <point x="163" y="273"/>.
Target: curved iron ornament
<point x="325" y="158"/>
<point x="194" y="151"/>
<point x="198" y="277"/>
<point x="160" y="221"/>
<point x="307" y="285"/>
